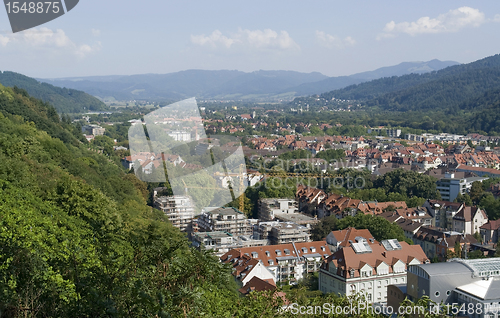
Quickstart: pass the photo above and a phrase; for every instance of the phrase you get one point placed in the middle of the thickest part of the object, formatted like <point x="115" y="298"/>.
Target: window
<point x="437" y="294"/>
<point x="448" y="293"/>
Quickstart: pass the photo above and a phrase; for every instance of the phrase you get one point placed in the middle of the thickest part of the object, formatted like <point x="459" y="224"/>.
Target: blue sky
<point x="332" y="37"/>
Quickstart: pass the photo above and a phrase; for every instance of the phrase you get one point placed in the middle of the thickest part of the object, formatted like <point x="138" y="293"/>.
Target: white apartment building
<point x="368" y="268"/>
<point x="179" y="210"/>
<point x="450" y="187"/>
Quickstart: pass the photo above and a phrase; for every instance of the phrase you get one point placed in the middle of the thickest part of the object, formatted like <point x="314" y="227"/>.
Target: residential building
<point x="221" y="242"/>
<point x="436" y="242"/>
<point x="469" y="220"/>
<point x="450" y="187"/>
<point x="281" y="232"/>
<point x="230" y="220"/>
<point x="179" y="210"/>
<point x="443" y="212"/>
<point x="269" y="208"/>
<point x="393" y="133"/>
<point x="417" y="214"/>
<point x="287" y="262"/>
<point x="93" y="130"/>
<point x="490" y="231"/>
<point x="368" y="268"/>
<point x="258" y="285"/>
<point x="180" y="135"/>
<point x="246" y="267"/>
<point x="342" y="238"/>
<point x="489" y="172"/>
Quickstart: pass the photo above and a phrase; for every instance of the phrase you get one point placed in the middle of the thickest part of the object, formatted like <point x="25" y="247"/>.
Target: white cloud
<point x="45" y="37"/>
<point x="259" y="39"/>
<point x="4" y="40"/>
<point x="332" y="41"/>
<point x="48" y="39"/>
<point x="96" y="32"/>
<point x="213" y="40"/>
<point x="452" y="21"/>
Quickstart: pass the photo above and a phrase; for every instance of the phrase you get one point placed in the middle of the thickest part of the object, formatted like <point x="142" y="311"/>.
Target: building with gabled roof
<point x="342" y="238"/>
<point x="257" y="284"/>
<point x="245" y="268"/>
<point x="490" y="230"/>
<point x="469" y="220"/>
<point x="368" y="268"/>
<point x="287" y="262"/>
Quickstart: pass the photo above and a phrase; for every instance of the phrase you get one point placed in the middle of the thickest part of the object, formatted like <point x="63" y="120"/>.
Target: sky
<point x="125" y="37"/>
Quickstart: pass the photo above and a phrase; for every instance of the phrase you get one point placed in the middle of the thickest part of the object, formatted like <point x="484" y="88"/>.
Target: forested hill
<point x="77" y="238"/>
<point x="447" y="89"/>
<point x="64" y="100"/>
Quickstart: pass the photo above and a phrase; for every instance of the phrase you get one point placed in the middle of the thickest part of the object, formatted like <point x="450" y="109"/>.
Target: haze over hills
<point x="459" y="98"/>
<point x="64" y="100"/>
<point x="389" y="71"/>
<point x="226" y="84"/>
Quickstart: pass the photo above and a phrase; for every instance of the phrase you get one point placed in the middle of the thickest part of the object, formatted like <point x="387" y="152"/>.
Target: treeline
<point x="380" y="228"/>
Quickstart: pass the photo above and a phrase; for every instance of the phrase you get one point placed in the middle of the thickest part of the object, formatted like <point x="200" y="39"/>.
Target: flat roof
<point x="294" y="217"/>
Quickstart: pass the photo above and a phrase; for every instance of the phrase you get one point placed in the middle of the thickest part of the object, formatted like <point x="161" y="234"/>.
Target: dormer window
<point x="255" y="254"/>
<point x="271" y="262"/>
<point x="278" y="252"/>
<point x="313" y="249"/>
<point x="287" y="252"/>
<point x="268" y="254"/>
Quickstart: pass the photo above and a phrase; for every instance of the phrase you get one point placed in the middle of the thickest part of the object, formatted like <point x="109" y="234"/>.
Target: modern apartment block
<point x="93" y="130"/>
<point x="229" y="220"/>
<point x="281" y="232"/>
<point x="368" y="267"/>
<point x="450" y="187"/>
<point x="269" y="208"/>
<point x="221" y="242"/>
<point x="179" y="210"/>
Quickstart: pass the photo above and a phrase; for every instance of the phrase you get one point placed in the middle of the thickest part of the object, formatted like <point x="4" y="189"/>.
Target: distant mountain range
<point x="450" y="88"/>
<point x="224" y="84"/>
<point x="64" y="100"/>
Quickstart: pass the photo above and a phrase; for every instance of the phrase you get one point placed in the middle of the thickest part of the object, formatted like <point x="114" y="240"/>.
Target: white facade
<point x="180" y="135"/>
<point x="369" y="268"/>
<point x="178" y="209"/>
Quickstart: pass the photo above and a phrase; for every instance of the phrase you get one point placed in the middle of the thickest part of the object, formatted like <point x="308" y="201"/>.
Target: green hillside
<point x="77" y="238"/>
<point x="63" y="99"/>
